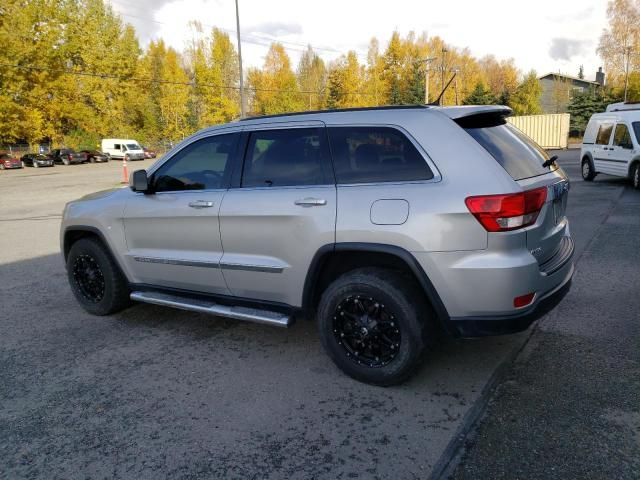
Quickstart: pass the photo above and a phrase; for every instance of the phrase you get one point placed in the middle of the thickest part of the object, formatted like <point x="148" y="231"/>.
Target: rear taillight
<point x="501" y="213"/>
<point x="70" y="157"/>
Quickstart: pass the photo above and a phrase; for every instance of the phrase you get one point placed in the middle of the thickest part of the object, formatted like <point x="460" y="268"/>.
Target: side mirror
<point x="139" y="182"/>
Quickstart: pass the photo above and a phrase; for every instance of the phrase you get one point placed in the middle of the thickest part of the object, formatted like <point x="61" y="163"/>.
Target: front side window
<point x="375" y="154"/>
<point x="199" y="166"/>
<point x="604" y="133"/>
<point x="621" y="137"/>
<point x="287" y="157"/>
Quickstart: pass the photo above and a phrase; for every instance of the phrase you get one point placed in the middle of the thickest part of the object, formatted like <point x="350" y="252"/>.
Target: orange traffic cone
<point x="125" y="171"/>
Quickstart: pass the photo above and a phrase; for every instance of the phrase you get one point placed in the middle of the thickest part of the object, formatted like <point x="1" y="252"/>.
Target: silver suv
<point x="385" y="224"/>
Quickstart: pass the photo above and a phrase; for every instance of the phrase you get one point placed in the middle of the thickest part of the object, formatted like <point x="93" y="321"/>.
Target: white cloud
<point x="515" y="29"/>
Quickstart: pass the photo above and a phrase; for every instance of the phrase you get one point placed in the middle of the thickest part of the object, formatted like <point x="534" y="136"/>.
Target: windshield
<point x="133" y="146"/>
<point x="520" y="156"/>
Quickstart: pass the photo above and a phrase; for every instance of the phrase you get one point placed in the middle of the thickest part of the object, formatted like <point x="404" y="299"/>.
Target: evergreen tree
<point x="526" y="99"/>
<point x="480" y="96"/>
<point x="584" y="104"/>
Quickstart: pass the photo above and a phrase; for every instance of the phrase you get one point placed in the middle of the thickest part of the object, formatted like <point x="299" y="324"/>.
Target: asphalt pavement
<point x="160" y="393"/>
<point x="569" y="406"/>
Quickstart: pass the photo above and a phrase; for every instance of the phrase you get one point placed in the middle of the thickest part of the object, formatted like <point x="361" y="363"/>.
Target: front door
<point x="173" y="234"/>
<point x="280" y="213"/>
<point x="621" y="151"/>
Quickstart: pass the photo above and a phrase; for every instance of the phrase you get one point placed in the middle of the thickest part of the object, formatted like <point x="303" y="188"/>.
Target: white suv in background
<point x="611" y="145"/>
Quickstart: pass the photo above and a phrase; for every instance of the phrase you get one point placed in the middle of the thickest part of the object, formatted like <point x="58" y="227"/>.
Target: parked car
<point x="67" y="156"/>
<point x="384" y="224"/>
<point x="121" y="148"/>
<point x="36" y="160"/>
<point x="94" y="156"/>
<point x="149" y="153"/>
<point x="611" y="144"/>
<point x="8" y="161"/>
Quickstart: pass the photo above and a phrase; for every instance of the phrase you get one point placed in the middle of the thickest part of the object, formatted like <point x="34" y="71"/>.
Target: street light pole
<point x="442" y="71"/>
<point x="243" y="107"/>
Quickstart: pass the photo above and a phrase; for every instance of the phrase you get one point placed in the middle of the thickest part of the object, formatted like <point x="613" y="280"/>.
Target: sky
<point x="544" y="35"/>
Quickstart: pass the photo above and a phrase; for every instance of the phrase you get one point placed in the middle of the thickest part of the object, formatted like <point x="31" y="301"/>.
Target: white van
<point x="120" y="148"/>
<point x="611" y="145"/>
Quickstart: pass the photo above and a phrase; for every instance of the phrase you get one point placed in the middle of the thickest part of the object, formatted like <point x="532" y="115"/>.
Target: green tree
<point x="584" y="104"/>
<point x="480" y="96"/>
<point x="526" y="98"/>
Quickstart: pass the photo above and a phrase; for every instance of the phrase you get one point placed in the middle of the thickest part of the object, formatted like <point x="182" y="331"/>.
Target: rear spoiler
<point x="479" y="116"/>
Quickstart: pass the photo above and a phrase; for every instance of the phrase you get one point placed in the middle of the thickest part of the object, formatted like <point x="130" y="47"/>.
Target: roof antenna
<point x="436" y="102"/>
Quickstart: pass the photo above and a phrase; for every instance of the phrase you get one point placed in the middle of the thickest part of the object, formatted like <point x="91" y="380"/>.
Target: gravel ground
<point x="569" y="407"/>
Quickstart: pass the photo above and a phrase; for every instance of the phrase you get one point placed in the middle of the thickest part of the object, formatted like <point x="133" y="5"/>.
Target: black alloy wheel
<point x="367" y="331"/>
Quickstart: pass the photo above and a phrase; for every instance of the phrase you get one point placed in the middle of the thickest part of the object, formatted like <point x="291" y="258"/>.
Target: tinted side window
<point x="296" y="156"/>
<point x="199" y="166"/>
<point x="622" y="138"/>
<point x="375" y="154"/>
<point x="604" y="133"/>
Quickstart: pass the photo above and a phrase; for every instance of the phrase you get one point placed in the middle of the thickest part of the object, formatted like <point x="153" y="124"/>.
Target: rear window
<point x="375" y="154"/>
<point x="520" y="156"/>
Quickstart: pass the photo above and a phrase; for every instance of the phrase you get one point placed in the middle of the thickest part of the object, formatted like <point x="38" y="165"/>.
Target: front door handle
<point x="200" y="204"/>
<point x="310" y="202"/>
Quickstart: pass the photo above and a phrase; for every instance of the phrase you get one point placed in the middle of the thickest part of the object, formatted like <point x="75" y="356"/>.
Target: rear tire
<point x="635" y="176"/>
<point x="373" y="323"/>
<point x="588" y="170"/>
<point x="95" y="279"/>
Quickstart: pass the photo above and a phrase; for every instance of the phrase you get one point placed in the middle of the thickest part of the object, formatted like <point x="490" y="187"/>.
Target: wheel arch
<point x="76" y="232"/>
<point x="331" y="261"/>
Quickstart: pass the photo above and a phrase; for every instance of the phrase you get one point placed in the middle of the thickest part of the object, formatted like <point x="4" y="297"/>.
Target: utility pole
<point x="427" y="63"/>
<point x="627" y="52"/>
<point x="243" y="103"/>
<point x="442" y="72"/>
<point x="455" y="71"/>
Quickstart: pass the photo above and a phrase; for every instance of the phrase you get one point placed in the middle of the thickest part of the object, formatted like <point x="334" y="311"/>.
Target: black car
<point x="36" y="160"/>
<point x="67" y="156"/>
<point x="94" y="156"/>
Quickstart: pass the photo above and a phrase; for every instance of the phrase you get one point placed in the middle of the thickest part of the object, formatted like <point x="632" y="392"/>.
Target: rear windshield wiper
<point x="550" y="162"/>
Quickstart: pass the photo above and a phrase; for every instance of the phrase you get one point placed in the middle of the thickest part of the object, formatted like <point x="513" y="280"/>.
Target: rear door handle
<point x="310" y="202"/>
<point x="200" y="204"/>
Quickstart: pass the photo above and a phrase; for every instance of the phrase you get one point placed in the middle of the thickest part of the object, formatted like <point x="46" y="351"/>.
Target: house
<point x="557" y="89"/>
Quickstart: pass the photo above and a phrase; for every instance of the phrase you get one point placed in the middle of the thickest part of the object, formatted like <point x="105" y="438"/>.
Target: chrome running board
<point x="206" y="306"/>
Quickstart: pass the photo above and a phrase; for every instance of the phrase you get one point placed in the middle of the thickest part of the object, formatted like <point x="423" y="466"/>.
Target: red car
<point x="9" y="161"/>
<point x="149" y="153"/>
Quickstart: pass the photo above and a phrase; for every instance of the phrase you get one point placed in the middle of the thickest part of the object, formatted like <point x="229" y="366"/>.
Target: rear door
<point x="281" y="211"/>
<point x="621" y="150"/>
<point x="601" y="147"/>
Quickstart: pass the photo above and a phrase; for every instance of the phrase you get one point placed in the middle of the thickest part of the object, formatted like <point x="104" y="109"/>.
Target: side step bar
<point x="206" y="306"/>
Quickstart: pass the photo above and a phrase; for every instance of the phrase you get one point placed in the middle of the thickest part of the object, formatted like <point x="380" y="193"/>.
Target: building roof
<point x="569" y="77"/>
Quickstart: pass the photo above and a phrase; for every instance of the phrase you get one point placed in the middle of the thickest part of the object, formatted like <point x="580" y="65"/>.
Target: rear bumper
<point x="487" y="326"/>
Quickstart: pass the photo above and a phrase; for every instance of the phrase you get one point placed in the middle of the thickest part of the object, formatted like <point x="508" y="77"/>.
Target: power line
<point x="107" y="76"/>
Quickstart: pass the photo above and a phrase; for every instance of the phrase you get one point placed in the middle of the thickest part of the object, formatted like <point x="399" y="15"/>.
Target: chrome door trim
<point x="175" y="261"/>
<point x="251" y="268"/>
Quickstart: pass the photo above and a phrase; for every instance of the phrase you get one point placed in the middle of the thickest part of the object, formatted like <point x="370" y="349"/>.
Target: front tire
<point x="66" y="161"/>
<point x="373" y="325"/>
<point x="95" y="279"/>
<point x="588" y="170"/>
<point x="635" y="176"/>
<point x="35" y="164"/>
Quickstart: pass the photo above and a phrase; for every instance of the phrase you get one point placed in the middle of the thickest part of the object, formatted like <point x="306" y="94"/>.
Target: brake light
<point x="70" y="157"/>
<point x="501" y="213"/>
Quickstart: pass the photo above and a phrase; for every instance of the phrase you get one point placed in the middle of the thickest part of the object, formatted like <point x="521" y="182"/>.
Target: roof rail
<point x="336" y="110"/>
